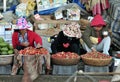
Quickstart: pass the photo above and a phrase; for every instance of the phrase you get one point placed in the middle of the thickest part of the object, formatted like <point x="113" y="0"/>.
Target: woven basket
<point x="96" y="62"/>
<point x="6" y="59"/>
<point x="65" y="62"/>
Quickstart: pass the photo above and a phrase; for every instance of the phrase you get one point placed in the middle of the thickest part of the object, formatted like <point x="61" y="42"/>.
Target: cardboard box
<point x="49" y="4"/>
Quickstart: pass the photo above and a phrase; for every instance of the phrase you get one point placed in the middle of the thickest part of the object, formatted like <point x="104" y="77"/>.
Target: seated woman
<point x="23" y="38"/>
<point x="96" y="37"/>
<point x="68" y="40"/>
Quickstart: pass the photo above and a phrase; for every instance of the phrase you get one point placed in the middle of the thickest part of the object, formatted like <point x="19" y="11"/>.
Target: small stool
<point x="88" y="68"/>
<point x="64" y="70"/>
<point x="6" y="69"/>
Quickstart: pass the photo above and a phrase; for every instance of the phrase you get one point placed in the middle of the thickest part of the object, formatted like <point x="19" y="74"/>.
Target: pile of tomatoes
<point x="33" y="51"/>
<point x="66" y="55"/>
<point x="96" y="55"/>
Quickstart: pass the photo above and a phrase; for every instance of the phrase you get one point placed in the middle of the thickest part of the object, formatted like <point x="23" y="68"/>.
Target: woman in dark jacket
<point x="68" y="40"/>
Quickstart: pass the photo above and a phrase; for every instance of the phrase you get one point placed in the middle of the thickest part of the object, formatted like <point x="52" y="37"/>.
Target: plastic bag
<point x="79" y="3"/>
<point x="47" y="12"/>
<point x="72" y="11"/>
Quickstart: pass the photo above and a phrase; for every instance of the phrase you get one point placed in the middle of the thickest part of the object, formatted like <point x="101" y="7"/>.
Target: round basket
<point x="96" y="62"/>
<point x="6" y="59"/>
<point x="65" y="62"/>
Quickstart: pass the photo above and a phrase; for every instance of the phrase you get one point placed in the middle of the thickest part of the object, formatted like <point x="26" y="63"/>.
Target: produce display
<point x="65" y="58"/>
<point x="96" y="55"/>
<point x="96" y="58"/>
<point x="33" y="51"/>
<point x="66" y="55"/>
<point x="5" y="48"/>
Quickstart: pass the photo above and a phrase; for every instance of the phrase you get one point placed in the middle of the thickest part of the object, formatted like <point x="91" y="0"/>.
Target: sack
<point x="94" y="40"/>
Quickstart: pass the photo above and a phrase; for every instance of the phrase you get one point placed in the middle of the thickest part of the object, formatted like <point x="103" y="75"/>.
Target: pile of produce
<point x="5" y="48"/>
<point x="96" y="55"/>
<point x="66" y="55"/>
<point x="33" y="51"/>
<point x="65" y="58"/>
<point x="96" y="58"/>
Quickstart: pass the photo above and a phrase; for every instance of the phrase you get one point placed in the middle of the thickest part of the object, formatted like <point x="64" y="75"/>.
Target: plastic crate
<point x="64" y="70"/>
<point x="88" y="68"/>
<point x="6" y="69"/>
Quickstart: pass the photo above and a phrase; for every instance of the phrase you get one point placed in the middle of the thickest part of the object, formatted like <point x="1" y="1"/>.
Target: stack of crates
<point x="89" y="68"/>
<point x="6" y="32"/>
<point x="2" y="31"/>
<point x="6" y="69"/>
<point x="64" y="70"/>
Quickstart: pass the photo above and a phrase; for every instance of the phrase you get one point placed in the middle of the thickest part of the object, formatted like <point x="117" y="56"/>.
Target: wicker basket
<point x="65" y="62"/>
<point x="96" y="62"/>
<point x="6" y="59"/>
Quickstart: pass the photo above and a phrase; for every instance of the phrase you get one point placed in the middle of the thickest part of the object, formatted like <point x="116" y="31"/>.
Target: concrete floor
<point x="56" y="78"/>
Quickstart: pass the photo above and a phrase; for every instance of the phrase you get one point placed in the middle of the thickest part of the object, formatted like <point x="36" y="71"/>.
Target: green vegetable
<point x="3" y="44"/>
<point x="1" y="39"/>
<point x="10" y="52"/>
<point x="4" y="53"/>
<point x="10" y="47"/>
<point x="4" y="49"/>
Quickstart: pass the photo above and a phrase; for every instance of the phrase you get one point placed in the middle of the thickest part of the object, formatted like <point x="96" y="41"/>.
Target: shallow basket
<point x="6" y="59"/>
<point x="96" y="62"/>
<point x="65" y="62"/>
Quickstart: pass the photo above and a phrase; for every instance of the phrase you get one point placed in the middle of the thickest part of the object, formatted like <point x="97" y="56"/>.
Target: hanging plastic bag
<point x="72" y="11"/>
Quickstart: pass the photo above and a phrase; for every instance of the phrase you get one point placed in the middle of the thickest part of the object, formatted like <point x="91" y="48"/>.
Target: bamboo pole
<point x="99" y="73"/>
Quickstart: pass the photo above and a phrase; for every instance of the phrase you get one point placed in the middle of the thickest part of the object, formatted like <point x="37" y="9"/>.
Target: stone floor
<point x="54" y="78"/>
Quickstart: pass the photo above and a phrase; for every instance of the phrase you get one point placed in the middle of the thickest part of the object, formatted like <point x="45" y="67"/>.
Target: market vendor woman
<point x="68" y="40"/>
<point x="96" y="37"/>
<point x="23" y="38"/>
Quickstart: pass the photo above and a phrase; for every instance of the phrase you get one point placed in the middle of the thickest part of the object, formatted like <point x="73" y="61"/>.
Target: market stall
<point x="32" y="61"/>
<point x="49" y="25"/>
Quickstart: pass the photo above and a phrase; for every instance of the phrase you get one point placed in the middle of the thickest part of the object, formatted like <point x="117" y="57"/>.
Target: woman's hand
<point x="93" y="49"/>
<point x="38" y="45"/>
